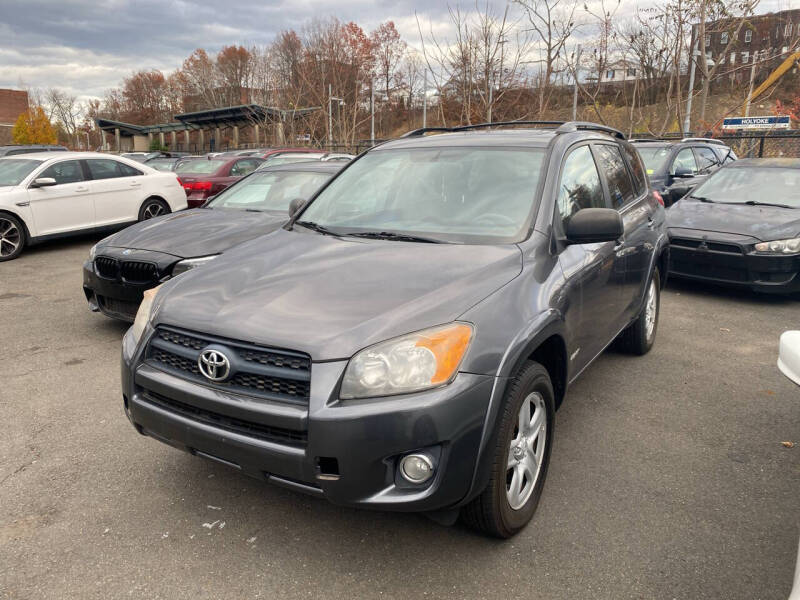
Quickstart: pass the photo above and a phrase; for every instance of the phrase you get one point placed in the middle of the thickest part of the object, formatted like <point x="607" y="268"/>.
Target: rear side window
<point x="637" y="169"/>
<point x="705" y="157"/>
<point x="619" y="183"/>
<point x="580" y="185"/>
<point x="68" y="171"/>
<point x="105" y="168"/>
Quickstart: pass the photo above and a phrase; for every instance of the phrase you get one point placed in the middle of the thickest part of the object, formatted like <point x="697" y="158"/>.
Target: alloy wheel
<point x="526" y="451"/>
<point x="651" y="310"/>
<point x="154" y="209"/>
<point x="10" y="237"/>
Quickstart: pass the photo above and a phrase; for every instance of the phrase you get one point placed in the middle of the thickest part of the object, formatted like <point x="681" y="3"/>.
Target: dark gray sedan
<point x="121" y="267"/>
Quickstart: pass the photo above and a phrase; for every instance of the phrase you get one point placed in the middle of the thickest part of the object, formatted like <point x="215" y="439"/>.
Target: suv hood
<point x="760" y="222"/>
<point x="197" y="232"/>
<point x="330" y="296"/>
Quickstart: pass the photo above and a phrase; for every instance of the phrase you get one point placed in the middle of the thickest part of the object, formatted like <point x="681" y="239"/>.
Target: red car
<point x="202" y="177"/>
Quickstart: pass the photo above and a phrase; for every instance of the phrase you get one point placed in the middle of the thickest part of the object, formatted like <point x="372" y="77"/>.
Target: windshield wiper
<point x="397" y="237"/>
<point x="701" y="198"/>
<point x="759" y="203"/>
<point x="315" y="227"/>
<point x="254" y="210"/>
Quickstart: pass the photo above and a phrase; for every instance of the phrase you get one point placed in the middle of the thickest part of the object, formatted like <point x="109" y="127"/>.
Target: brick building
<point x="763" y="40"/>
<point x="12" y="104"/>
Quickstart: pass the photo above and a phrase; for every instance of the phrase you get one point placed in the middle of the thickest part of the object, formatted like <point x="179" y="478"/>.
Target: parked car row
<point x="396" y="331"/>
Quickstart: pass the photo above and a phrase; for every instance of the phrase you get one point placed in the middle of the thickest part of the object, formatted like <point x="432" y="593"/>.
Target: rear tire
<point x="640" y="336"/>
<point x="153" y="207"/>
<point x="12" y="237"/>
<point x="520" y="456"/>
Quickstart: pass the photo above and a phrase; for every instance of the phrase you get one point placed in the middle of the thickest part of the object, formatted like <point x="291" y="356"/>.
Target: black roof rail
<point x="572" y="126"/>
<point x="561" y="127"/>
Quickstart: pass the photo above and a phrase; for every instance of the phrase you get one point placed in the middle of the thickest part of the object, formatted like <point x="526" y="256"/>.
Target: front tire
<point x="12" y="237"/>
<point x="521" y="456"/>
<point x="640" y="336"/>
<point x="153" y="207"/>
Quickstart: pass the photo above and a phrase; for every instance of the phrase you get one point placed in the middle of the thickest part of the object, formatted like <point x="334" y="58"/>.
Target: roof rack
<point x="702" y="139"/>
<point x="561" y="127"/>
<point x="646" y="140"/>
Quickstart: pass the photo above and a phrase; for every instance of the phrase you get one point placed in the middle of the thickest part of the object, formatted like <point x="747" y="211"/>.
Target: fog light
<point x="416" y="468"/>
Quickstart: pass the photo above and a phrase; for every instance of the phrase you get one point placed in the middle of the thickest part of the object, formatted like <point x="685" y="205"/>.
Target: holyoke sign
<point x="781" y="122"/>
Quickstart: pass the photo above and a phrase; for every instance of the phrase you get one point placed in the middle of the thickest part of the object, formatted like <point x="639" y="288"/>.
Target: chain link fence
<point x="770" y="145"/>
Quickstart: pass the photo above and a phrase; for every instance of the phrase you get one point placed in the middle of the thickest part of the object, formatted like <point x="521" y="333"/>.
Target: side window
<point x="637" y="169"/>
<point x="243" y="167"/>
<point x="105" y="168"/>
<point x="580" y="185"/>
<point x="128" y="171"/>
<point x="705" y="158"/>
<point x="684" y="162"/>
<point x="619" y="183"/>
<point x="68" y="171"/>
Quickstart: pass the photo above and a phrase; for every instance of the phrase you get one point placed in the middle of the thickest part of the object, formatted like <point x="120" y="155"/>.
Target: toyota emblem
<point x="214" y="365"/>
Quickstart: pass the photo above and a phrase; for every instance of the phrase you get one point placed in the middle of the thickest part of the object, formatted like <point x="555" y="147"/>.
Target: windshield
<point x="14" y="170"/>
<point x="739" y="185"/>
<point x="199" y="166"/>
<point x="477" y="195"/>
<point x="270" y="191"/>
<point x="654" y="157"/>
<point x="284" y="159"/>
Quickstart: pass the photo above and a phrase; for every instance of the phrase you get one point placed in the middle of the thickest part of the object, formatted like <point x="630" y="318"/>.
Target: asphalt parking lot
<point x="668" y="478"/>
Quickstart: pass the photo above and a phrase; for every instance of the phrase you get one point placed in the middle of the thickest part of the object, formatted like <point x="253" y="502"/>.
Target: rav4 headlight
<point x="144" y="313"/>
<point x="791" y="246"/>
<point x="191" y="263"/>
<point x="409" y="363"/>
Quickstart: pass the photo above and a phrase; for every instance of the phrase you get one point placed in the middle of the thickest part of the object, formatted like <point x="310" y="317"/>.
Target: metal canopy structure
<point x="244" y="114"/>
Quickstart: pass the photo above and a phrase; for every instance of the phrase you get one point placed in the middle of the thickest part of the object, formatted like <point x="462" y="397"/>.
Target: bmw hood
<point x="760" y="222"/>
<point x="197" y="232"/>
<point x="331" y="296"/>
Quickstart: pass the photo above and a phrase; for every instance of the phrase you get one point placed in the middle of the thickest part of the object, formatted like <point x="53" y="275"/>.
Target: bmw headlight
<point x="410" y="363"/>
<point x="144" y="313"/>
<point x="791" y="246"/>
<point x="191" y="263"/>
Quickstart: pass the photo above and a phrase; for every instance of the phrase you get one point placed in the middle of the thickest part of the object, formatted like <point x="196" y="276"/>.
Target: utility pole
<point x="575" y="89"/>
<point x="750" y="93"/>
<point x="425" y="100"/>
<point x="687" y="121"/>
<point x="330" y="117"/>
<point x="372" y="112"/>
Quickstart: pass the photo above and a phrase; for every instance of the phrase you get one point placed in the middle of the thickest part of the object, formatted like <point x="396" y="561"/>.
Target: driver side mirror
<point x="593" y="225"/>
<point x="43" y="182"/>
<point x="682" y="172"/>
<point x="295" y="206"/>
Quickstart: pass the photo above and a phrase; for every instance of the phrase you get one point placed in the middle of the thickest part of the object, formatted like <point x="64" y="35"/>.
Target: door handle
<point x="135" y="184"/>
<point x="650" y="222"/>
<point x="81" y="189"/>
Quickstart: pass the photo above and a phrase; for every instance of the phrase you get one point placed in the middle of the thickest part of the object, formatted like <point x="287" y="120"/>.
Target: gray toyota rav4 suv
<point x="403" y="341"/>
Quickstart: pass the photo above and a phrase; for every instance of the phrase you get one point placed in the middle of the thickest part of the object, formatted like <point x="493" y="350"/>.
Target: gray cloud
<point x="88" y="46"/>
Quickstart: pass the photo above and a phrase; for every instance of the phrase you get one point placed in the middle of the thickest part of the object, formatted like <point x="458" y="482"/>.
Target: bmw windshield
<point x="461" y="195"/>
<point x="14" y="170"/>
<point x="270" y="190"/>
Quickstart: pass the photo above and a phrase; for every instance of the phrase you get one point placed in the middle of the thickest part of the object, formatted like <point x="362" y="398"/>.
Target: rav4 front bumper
<point x="345" y="451"/>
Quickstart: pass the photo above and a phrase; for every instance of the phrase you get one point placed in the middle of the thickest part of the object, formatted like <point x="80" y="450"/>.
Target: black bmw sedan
<point x="741" y="227"/>
<point x="122" y="266"/>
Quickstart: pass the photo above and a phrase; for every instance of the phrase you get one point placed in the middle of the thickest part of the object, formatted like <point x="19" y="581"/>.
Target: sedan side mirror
<point x="592" y="225"/>
<point x="43" y="182"/>
<point x="295" y="206"/>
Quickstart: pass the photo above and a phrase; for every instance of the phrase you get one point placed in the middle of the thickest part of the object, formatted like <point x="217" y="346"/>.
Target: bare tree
<point x="65" y="109"/>
<point x="554" y="23"/>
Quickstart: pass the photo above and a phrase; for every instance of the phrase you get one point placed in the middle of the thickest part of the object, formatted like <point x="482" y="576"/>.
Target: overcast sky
<point x="88" y="46"/>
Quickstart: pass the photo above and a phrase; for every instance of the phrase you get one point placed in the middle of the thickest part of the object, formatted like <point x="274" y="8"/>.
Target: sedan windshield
<point x="467" y="195"/>
<point x="758" y="185"/>
<point x="201" y="166"/>
<point x="270" y="191"/>
<point x="653" y="156"/>
<point x="14" y="170"/>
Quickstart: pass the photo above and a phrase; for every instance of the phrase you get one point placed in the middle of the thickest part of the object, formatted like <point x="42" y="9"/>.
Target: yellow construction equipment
<point x="782" y="69"/>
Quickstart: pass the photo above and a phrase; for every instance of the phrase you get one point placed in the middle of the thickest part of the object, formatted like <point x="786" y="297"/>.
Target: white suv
<point x="46" y="195"/>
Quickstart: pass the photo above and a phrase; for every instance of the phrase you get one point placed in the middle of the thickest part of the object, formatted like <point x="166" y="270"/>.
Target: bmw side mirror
<point x="295" y="206"/>
<point x="593" y="225"/>
<point x="43" y="182"/>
